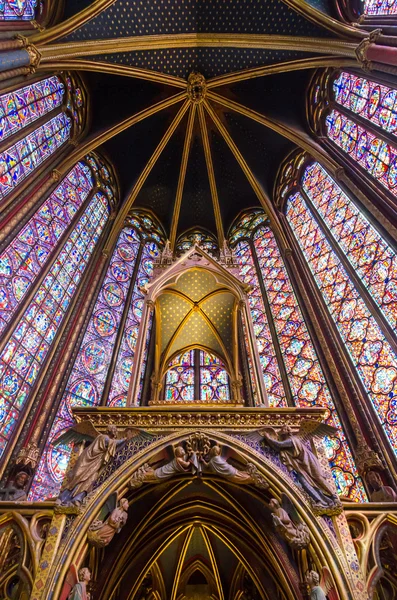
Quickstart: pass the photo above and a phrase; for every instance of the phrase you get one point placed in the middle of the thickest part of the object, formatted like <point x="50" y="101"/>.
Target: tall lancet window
<point x="36" y="121"/>
<point x="40" y="273"/>
<point x="102" y="368"/>
<point x="359" y="116"/>
<point x="355" y="270"/>
<point x="291" y="368"/>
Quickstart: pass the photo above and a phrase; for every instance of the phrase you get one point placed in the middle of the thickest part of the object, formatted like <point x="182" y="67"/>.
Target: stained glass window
<point x="33" y="246"/>
<point x="125" y="358"/>
<point x="92" y="367"/>
<point x="20" y="160"/>
<point x="267" y="355"/>
<point x="204" y="240"/>
<point x="380" y="7"/>
<point x="24" y="106"/>
<point x="374" y="359"/>
<point x="372" y="258"/>
<point x="372" y="101"/>
<point x="374" y="155"/>
<point x="18" y="10"/>
<point x="214" y="380"/>
<point x="197" y="374"/>
<point x="25" y="352"/>
<point x="305" y="375"/>
<point x="179" y="379"/>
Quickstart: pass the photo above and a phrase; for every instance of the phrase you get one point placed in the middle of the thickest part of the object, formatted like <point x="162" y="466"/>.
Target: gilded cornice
<point x="218" y="418"/>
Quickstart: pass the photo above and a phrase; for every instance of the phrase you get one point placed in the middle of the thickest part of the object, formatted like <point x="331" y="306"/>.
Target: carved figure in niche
<point x="324" y="589"/>
<point x="102" y="530"/>
<point x="181" y="463"/>
<point x="296" y="454"/>
<point x="294" y="532"/>
<point x="380" y="492"/>
<point x="80" y="479"/>
<point x="218" y="465"/>
<point x="76" y="583"/>
<point x="15" y="491"/>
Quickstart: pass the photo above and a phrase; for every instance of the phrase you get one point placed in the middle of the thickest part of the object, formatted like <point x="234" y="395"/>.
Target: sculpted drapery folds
<point x="79" y="481"/>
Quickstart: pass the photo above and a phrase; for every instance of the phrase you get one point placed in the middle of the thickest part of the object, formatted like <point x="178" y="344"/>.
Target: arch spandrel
<point x="169" y="508"/>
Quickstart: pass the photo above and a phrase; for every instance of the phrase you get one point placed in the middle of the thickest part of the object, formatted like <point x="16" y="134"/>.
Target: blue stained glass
<point x="18" y="10"/>
<point x="23" y="356"/>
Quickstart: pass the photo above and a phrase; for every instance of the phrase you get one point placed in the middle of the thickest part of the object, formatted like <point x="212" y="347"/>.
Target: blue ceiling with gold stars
<point x="280" y="96"/>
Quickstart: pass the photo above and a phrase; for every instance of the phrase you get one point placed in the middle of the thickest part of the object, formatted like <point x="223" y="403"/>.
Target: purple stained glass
<point x="18" y="10"/>
<point x="21" y="159"/>
<point x="125" y="357"/>
<point x="372" y="258"/>
<point x="374" y="359"/>
<point x="267" y="355"/>
<point x="380" y="7"/>
<point x="24" y="106"/>
<point x="214" y="380"/>
<point x="305" y="375"/>
<point x="24" y="258"/>
<point x="179" y="379"/>
<point x="372" y="101"/>
<point x="374" y="155"/>
<point x="24" y="354"/>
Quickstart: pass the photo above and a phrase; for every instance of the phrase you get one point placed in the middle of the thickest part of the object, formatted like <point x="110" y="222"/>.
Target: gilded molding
<point x="197" y="40"/>
<point x="153" y="418"/>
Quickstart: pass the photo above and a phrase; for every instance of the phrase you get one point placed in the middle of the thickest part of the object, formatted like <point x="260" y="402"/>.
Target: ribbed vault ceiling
<point x="218" y="159"/>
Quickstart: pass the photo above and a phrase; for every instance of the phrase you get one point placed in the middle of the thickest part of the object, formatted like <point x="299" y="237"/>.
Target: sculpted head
<point x="313" y="578"/>
<point x="112" y="431"/>
<point x="84" y="575"/>
<point x="215" y="451"/>
<point x="179" y="452"/>
<point x="285" y="432"/>
<point x="124" y="504"/>
<point x="374" y="480"/>
<point x="274" y="504"/>
<point x="21" y="480"/>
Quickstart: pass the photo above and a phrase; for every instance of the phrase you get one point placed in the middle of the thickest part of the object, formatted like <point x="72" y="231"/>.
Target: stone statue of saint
<point x="380" y="492"/>
<point x="296" y="454"/>
<point x="101" y="533"/>
<point x="79" y="590"/>
<point x="82" y="476"/>
<point x="180" y="464"/>
<point x="15" y="491"/>
<point x="296" y="534"/>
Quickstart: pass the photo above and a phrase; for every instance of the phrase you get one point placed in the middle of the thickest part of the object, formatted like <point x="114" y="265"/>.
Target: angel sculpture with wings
<point x="321" y="590"/>
<point x="110" y="521"/>
<point x="81" y="478"/>
<point x="287" y="523"/>
<point x="75" y="586"/>
<point x="296" y="454"/>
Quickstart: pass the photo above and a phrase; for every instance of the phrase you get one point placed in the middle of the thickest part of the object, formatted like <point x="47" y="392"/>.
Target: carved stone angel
<point x="111" y="520"/>
<point x="218" y="465"/>
<point x="81" y="478"/>
<point x="75" y="586"/>
<point x="321" y="590"/>
<point x="287" y="523"/>
<point x="180" y="464"/>
<point x="298" y="457"/>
